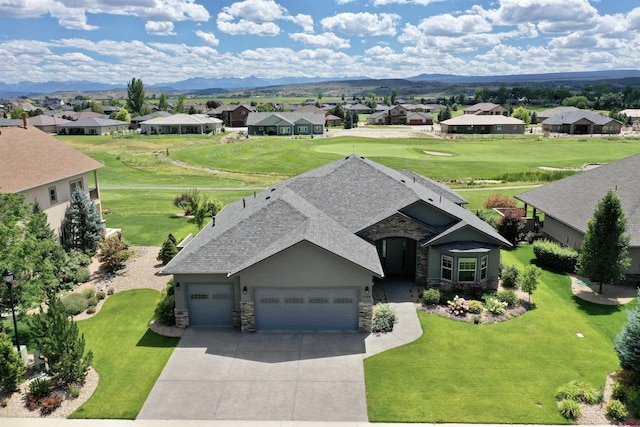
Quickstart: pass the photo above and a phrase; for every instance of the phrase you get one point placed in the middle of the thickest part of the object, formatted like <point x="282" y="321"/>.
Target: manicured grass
<point x="497" y="373"/>
<point x="126" y="354"/>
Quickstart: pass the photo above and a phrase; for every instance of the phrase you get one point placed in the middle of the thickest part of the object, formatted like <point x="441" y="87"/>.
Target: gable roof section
<point x="326" y="206"/>
<point x="30" y="158"/>
<point x="482" y="120"/>
<point x="43" y="120"/>
<point x="435" y="186"/>
<point x="93" y="122"/>
<point x="481" y="107"/>
<point x="183" y="119"/>
<point x="572" y="200"/>
<point x="574" y="116"/>
<point x="557" y="111"/>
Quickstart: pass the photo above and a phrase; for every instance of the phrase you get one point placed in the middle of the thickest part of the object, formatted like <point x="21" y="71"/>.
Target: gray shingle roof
<point x="572" y="200"/>
<point x="574" y="116"/>
<point x="254" y="119"/>
<point x="93" y="122"/>
<point x="326" y="207"/>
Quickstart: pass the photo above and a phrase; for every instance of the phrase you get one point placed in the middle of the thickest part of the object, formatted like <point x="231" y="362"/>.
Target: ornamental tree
<point x="82" y="226"/>
<point x="135" y="95"/>
<point x="11" y="365"/>
<point x="529" y="279"/>
<point x="605" y="248"/>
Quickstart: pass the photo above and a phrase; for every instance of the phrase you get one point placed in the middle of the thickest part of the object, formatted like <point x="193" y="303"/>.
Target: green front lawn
<point x="507" y="372"/>
<point x="126" y="354"/>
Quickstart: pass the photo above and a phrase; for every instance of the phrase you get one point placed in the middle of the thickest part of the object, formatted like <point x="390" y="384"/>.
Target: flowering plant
<point x="458" y="306"/>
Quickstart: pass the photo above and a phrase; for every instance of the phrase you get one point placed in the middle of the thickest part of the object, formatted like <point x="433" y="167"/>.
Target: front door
<point x="398" y="256"/>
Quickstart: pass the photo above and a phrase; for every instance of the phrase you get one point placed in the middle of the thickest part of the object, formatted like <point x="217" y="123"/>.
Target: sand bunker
<point x="437" y="153"/>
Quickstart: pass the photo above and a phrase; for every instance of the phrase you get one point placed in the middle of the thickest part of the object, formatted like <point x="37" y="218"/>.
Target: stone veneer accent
<point x="182" y="317"/>
<point x="236" y="318"/>
<point x="247" y="317"/>
<point x="365" y="316"/>
<point x="398" y="225"/>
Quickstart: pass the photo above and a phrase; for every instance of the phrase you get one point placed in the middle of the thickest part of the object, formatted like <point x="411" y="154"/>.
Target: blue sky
<point x="159" y="41"/>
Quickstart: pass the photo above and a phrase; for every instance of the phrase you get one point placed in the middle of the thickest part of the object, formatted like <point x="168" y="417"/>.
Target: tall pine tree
<point x="58" y="338"/>
<point x="627" y="343"/>
<point x="605" y="248"/>
<point x="82" y="226"/>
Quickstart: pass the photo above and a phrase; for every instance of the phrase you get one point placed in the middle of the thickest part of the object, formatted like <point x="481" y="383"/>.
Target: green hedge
<point x="554" y="256"/>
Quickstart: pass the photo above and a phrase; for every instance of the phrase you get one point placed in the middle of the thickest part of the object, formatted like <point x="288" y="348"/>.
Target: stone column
<point x="182" y="317"/>
<point x="365" y="316"/>
<point x="247" y="317"/>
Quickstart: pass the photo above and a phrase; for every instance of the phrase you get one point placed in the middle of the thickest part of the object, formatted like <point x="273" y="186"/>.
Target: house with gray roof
<point x="92" y="126"/>
<point x="285" y="123"/>
<point x="570" y="202"/>
<point x="487" y="109"/>
<point x="483" y="124"/>
<point x="582" y="122"/>
<point x="46" y="123"/>
<point x="307" y="253"/>
<point x="557" y="111"/>
<point x="181" y="124"/>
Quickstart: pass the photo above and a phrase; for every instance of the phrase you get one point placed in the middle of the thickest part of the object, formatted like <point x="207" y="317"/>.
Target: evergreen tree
<point x="605" y="248"/>
<point x="82" y="226"/>
<point x="168" y="250"/>
<point x="348" y="120"/>
<point x="135" y="95"/>
<point x="162" y="102"/>
<point x="444" y="115"/>
<point x="355" y="118"/>
<point x="58" y="338"/>
<point x="11" y="365"/>
<point x="627" y="342"/>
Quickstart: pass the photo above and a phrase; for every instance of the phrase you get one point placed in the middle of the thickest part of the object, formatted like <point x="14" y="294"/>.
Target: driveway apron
<point x="217" y="374"/>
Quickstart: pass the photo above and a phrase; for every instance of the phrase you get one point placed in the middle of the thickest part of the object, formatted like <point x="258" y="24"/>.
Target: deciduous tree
<point x="605" y="248"/>
<point x="163" y="105"/>
<point x="135" y="95"/>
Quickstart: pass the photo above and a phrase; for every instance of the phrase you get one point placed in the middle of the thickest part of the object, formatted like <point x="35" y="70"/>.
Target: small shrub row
<point x="165" y="309"/>
<point x="509" y="276"/>
<point x="580" y="392"/>
<point x="554" y="256"/>
<point x="384" y="317"/>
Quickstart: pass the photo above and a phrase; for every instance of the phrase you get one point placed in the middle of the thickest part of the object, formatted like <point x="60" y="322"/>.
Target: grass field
<point x="506" y="372"/>
<point x="143" y="174"/>
<point x="128" y="356"/>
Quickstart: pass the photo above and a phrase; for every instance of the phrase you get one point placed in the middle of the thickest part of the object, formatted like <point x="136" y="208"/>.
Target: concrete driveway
<point x="217" y="374"/>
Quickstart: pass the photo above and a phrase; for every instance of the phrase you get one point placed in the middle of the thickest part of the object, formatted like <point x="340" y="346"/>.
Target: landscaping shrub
<point x="384" y="316"/>
<point x="89" y="293"/>
<point x="509" y="297"/>
<point x="100" y="295"/>
<point x="114" y="252"/>
<point x="475" y="307"/>
<point x="458" y="306"/>
<point x="570" y="409"/>
<point x="510" y="275"/>
<point x="50" y="403"/>
<point x="165" y="309"/>
<point x="168" y="250"/>
<point x="11" y="365"/>
<point x="91" y="310"/>
<point x="619" y="391"/>
<point x="39" y="388"/>
<point x="488" y="216"/>
<point x="616" y="410"/>
<point x="431" y="296"/>
<point x="580" y="392"/>
<point x="633" y="401"/>
<point x="494" y="305"/>
<point x="74" y="391"/>
<point x="75" y="304"/>
<point x="552" y="255"/>
<point x="81" y="275"/>
<point x="499" y="201"/>
<point x="510" y="226"/>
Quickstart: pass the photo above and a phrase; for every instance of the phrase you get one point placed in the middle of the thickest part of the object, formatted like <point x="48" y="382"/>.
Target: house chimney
<point x="24" y="119"/>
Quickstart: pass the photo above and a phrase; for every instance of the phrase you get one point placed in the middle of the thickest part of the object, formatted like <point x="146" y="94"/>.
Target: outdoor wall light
<point x="244" y="290"/>
<point x="177" y="286"/>
<point x="366" y="290"/>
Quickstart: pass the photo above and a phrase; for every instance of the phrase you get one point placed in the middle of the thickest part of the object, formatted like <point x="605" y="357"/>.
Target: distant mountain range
<point x="220" y="85"/>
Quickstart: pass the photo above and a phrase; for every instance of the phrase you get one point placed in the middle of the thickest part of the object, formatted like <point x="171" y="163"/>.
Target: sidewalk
<point x="37" y="422"/>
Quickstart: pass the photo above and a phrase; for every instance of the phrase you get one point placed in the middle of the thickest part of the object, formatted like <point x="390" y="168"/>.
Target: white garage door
<point x="210" y="304"/>
<point x="287" y="309"/>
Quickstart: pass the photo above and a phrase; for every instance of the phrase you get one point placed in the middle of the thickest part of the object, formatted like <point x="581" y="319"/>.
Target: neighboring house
<point x="570" y="202"/>
<point x="359" y="108"/>
<point x="487" y="109"/>
<point x="45" y="171"/>
<point x="79" y="115"/>
<point x="181" y="124"/>
<point x="309" y="109"/>
<point x="306" y="253"/>
<point x="582" y="122"/>
<point x="379" y="118"/>
<point x="110" y="109"/>
<point x="47" y="124"/>
<point x="634" y="116"/>
<point x="418" y="119"/>
<point x="404" y="114"/>
<point x="289" y="123"/>
<point x="233" y="115"/>
<point x="135" y="121"/>
<point x="92" y="126"/>
<point x="557" y="111"/>
<point x="331" y="121"/>
<point x="483" y="124"/>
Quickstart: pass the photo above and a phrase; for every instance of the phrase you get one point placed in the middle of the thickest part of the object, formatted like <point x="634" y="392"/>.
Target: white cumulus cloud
<point x="159" y="28"/>
<point x="363" y="24"/>
<point x="321" y="40"/>
<point x="208" y="38"/>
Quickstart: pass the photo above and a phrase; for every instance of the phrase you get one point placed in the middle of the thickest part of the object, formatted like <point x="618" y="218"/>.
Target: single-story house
<point x="135" y="121"/>
<point x="418" y="118"/>
<point x="92" y="126"/>
<point x="181" y="124"/>
<point x="483" y="124"/>
<point x="45" y="170"/>
<point x="47" y="124"/>
<point x="379" y="118"/>
<point x="331" y="121"/>
<point x="286" y="123"/>
<point x="487" y="109"/>
<point x="582" y="122"/>
<point x="306" y="253"/>
<point x="570" y="202"/>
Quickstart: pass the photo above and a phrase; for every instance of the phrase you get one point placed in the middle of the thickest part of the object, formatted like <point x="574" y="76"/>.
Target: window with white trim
<point x="484" y="261"/>
<point x="467" y="269"/>
<point x="76" y="185"/>
<point x="53" y="195"/>
<point x="447" y="267"/>
<point x="285" y="130"/>
<point x="303" y="129"/>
